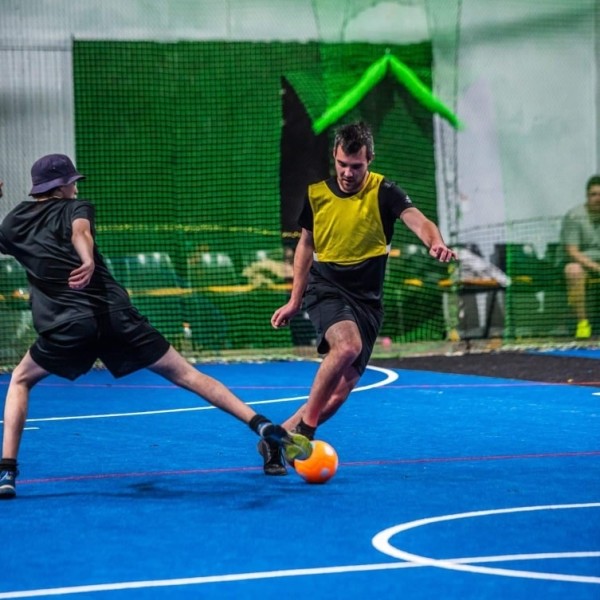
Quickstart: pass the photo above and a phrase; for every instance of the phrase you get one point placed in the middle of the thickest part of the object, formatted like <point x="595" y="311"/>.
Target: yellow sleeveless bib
<point x="347" y="230"/>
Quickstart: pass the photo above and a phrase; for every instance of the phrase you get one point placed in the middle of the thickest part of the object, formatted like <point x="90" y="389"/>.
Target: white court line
<point x="131" y="585"/>
<point x="390" y="377"/>
<point x="381" y="542"/>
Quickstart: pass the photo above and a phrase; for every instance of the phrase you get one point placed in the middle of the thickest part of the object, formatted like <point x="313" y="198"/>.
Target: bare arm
<point x="428" y="232"/>
<point x="303" y="259"/>
<point x="83" y="242"/>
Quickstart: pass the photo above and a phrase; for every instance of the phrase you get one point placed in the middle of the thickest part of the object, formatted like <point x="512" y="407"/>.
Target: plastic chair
<point x="155" y="289"/>
<point x="211" y="268"/>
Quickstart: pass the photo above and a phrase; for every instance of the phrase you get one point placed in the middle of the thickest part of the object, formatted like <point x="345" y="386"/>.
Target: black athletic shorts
<point x="123" y="340"/>
<point x="326" y="305"/>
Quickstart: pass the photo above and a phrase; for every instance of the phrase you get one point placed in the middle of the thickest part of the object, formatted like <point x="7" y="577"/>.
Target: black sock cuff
<point x="256" y="421"/>
<point x="8" y="464"/>
<point x="306" y="430"/>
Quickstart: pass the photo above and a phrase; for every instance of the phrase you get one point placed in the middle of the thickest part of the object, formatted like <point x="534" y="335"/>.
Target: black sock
<point x="257" y="422"/>
<point x="306" y="430"/>
<point x="8" y="464"/>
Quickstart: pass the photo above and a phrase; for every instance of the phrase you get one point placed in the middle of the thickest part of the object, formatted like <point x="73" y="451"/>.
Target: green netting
<point x="198" y="153"/>
<point x="182" y="146"/>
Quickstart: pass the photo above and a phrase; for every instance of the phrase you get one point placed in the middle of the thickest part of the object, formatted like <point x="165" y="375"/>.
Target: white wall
<point x="523" y="79"/>
<point x="539" y="73"/>
<point x="527" y="91"/>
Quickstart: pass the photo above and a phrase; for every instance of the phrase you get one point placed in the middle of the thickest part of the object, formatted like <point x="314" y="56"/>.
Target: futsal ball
<point x="320" y="466"/>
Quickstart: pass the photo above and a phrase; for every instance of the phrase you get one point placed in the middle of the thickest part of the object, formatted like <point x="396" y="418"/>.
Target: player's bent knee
<point x="348" y="353"/>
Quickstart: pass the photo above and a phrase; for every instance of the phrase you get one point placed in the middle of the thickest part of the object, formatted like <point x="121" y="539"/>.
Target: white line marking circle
<point x="390" y="377"/>
<point x="381" y="542"/>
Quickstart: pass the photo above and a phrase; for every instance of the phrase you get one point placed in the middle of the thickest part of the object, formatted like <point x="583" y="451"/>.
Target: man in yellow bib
<point x="339" y="266"/>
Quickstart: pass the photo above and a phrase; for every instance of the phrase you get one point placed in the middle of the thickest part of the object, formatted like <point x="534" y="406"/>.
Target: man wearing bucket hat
<point x="81" y="314"/>
<point x="52" y="171"/>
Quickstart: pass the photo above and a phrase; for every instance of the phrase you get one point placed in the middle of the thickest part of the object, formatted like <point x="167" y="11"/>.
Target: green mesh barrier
<point x="182" y="146"/>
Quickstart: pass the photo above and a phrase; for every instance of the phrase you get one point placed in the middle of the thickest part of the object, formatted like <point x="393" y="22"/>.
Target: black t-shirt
<point x="38" y="234"/>
<point x="363" y="280"/>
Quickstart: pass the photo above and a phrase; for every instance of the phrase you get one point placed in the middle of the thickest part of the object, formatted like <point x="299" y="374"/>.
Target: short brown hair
<point x="353" y="137"/>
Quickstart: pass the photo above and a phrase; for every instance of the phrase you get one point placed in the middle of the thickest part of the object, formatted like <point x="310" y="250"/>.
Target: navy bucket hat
<point x="52" y="171"/>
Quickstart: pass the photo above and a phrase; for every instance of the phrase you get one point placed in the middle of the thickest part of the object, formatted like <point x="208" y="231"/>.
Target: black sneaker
<point x="273" y="460"/>
<point x="7" y="484"/>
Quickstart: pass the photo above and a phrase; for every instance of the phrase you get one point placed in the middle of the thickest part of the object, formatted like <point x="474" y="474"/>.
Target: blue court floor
<point x="449" y="486"/>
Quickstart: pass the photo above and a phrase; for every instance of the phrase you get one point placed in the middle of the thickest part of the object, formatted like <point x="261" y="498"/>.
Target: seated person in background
<point x="580" y="237"/>
<point x="269" y="271"/>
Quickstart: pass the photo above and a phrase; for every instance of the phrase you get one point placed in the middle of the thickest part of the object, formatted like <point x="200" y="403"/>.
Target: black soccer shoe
<point x="272" y="457"/>
<point x="8" y="487"/>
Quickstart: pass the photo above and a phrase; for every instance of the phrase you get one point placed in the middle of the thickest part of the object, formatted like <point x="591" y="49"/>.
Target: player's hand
<point x="81" y="276"/>
<point x="442" y="253"/>
<point x="282" y="316"/>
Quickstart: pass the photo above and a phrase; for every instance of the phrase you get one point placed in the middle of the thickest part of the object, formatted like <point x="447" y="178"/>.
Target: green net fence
<point x="197" y="156"/>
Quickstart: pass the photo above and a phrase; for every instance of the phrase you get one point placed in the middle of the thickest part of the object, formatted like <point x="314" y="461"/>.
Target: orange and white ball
<point x="320" y="466"/>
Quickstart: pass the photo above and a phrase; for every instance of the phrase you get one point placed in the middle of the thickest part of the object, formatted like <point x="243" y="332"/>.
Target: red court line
<point x="161" y="386"/>
<point x="137" y="474"/>
<point x="442" y="459"/>
<point x="499" y="385"/>
<point x="448" y="459"/>
<point x="307" y="387"/>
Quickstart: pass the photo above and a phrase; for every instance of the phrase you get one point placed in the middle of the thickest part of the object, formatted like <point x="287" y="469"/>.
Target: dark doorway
<point x="304" y="158"/>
